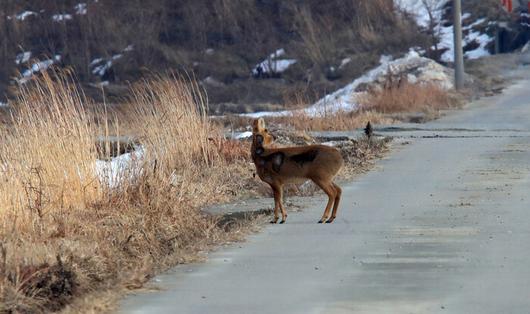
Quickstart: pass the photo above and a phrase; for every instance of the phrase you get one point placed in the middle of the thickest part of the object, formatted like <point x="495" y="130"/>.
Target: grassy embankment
<point x="70" y="239"/>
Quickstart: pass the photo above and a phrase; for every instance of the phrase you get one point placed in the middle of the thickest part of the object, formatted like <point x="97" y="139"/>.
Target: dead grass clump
<point x="408" y="97"/>
<point x="301" y="121"/>
<point x="360" y="154"/>
<point x="66" y="232"/>
<point x="335" y="121"/>
<point x="47" y="154"/>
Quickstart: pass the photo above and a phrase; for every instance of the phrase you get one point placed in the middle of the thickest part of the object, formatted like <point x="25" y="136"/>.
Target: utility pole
<point x="459" y="58"/>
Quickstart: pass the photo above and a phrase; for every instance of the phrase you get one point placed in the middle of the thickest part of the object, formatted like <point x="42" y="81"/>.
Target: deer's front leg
<point x="277" y="202"/>
<point x="284" y="212"/>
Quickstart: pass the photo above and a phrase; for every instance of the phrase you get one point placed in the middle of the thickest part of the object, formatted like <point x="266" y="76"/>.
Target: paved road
<point x="441" y="226"/>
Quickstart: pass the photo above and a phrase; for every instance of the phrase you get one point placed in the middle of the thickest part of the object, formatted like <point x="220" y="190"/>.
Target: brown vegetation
<point x="65" y="232"/>
<point x="409" y="97"/>
<point x="239" y="34"/>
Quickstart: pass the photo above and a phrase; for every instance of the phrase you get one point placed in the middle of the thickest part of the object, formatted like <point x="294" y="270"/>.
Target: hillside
<point x="244" y="53"/>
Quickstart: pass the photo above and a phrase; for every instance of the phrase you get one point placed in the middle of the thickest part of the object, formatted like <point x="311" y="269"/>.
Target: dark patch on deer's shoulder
<point x="304" y="157"/>
<point x="277" y="161"/>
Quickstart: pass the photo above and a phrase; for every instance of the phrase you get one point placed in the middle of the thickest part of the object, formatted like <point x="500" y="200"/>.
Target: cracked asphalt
<point x="440" y="226"/>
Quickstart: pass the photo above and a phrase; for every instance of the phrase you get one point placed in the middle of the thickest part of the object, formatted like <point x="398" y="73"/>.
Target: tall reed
<point x="47" y="155"/>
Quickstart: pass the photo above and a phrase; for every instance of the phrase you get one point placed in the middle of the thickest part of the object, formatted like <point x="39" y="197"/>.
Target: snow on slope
<point x="273" y="64"/>
<point x="417" y="69"/>
<point x="37" y="67"/>
<point x="418" y="9"/>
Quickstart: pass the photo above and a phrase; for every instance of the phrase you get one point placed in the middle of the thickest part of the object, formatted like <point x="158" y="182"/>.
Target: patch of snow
<point x="209" y="51"/>
<point x="274" y="65"/>
<point x="343" y="62"/>
<point x="61" y="17"/>
<point x="446" y="41"/>
<point x="476" y="23"/>
<point x="23" y="57"/>
<point x="22" y="16"/>
<point x="415" y="68"/>
<point x="36" y="68"/>
<point x="526" y="47"/>
<point x="243" y="135"/>
<point x="80" y="8"/>
<point x="212" y="82"/>
<point x="125" y="167"/>
<point x="419" y="11"/>
<point x="3" y="104"/>
<point x="483" y="40"/>
<point x="278" y="53"/>
<point x="445" y="34"/>
<point x="330" y="143"/>
<point x="96" y="61"/>
<point x="101" y="69"/>
<point x="104" y="66"/>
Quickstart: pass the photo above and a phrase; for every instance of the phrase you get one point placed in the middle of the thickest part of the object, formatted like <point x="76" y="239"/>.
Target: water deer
<point x="279" y="166"/>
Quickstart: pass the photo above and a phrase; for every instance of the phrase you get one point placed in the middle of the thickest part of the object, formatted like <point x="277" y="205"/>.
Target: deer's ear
<point x="259" y="125"/>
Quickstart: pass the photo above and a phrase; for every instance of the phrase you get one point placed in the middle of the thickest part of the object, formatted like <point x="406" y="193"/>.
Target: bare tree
<point x="432" y="28"/>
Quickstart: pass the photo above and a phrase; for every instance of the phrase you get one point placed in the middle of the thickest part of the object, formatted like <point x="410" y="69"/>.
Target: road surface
<point x="440" y="226"/>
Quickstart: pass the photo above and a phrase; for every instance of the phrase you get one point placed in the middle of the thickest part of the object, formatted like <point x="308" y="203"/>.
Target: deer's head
<point x="260" y="137"/>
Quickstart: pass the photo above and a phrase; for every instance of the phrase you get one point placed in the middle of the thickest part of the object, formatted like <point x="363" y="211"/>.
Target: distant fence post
<point x="459" y="56"/>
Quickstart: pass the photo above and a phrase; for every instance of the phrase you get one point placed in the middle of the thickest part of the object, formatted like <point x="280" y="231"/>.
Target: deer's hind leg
<point x="331" y="192"/>
<point x="277" y="192"/>
<point x="284" y="212"/>
<point x="338" y="193"/>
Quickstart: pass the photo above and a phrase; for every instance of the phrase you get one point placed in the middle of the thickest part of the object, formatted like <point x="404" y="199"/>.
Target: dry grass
<point x="407" y="97"/>
<point x="378" y="105"/>
<point x="336" y="121"/>
<point x="333" y="121"/>
<point x="67" y="235"/>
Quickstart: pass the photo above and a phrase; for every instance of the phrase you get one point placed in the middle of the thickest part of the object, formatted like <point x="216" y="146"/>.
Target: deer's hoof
<point x="321" y="221"/>
<point x="330" y="220"/>
<point x="283" y="221"/>
<point x="274" y="221"/>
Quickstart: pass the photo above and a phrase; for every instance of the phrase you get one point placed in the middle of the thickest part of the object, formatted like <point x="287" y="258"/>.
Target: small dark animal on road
<point x="368" y="131"/>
